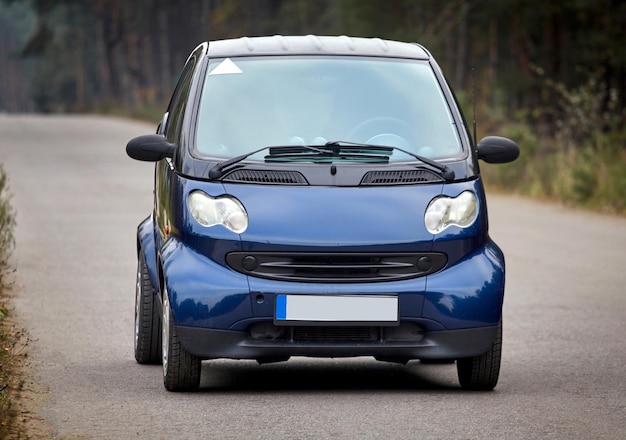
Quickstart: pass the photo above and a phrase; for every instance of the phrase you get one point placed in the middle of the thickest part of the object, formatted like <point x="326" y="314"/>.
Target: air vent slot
<point x="336" y="267"/>
<point x="397" y="177"/>
<point x="335" y="334"/>
<point x="270" y="177"/>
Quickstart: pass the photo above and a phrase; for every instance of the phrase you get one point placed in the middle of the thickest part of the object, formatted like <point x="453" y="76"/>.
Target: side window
<point x="178" y="103"/>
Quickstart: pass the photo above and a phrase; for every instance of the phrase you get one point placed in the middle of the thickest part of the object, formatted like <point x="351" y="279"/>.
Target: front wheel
<point x="181" y="370"/>
<point x="147" y="317"/>
<point x="480" y="373"/>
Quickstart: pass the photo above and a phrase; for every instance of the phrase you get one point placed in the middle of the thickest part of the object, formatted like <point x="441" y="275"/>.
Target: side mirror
<point x="150" y="148"/>
<point x="496" y="149"/>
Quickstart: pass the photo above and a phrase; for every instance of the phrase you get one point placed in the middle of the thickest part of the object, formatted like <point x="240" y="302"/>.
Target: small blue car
<point x="317" y="196"/>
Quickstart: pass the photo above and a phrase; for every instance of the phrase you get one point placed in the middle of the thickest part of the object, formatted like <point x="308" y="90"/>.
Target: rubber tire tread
<point x="183" y="369"/>
<point x="480" y="373"/>
<point x="148" y="350"/>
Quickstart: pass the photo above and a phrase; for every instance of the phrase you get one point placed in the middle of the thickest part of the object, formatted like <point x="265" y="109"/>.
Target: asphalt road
<point x="79" y="199"/>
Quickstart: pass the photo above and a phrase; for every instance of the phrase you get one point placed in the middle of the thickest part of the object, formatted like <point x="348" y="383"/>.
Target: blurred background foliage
<point x="549" y="74"/>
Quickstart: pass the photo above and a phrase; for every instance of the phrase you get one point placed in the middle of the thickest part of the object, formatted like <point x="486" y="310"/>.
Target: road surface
<point x="79" y="199"/>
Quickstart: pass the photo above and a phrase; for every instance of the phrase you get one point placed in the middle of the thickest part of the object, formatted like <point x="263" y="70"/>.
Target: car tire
<point x="147" y="317"/>
<point x="480" y="373"/>
<point x="181" y="370"/>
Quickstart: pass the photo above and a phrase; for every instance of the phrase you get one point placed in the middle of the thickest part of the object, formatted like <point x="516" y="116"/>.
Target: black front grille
<point x="406" y="177"/>
<point x="337" y="334"/>
<point x="336" y="267"/>
<point x="273" y="177"/>
<point x="334" y="334"/>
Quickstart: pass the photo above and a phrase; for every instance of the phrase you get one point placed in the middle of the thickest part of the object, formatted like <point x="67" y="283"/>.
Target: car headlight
<point x="222" y="210"/>
<point x="447" y="211"/>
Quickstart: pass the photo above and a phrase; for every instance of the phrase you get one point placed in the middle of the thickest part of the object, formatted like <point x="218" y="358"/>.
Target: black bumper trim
<point x="449" y="344"/>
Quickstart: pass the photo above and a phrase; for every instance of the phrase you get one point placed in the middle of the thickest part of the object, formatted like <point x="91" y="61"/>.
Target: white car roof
<point x="315" y="45"/>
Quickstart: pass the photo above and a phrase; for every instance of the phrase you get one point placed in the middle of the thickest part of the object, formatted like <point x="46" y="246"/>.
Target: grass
<point x="13" y="343"/>
<point x="591" y="174"/>
<point x="13" y="340"/>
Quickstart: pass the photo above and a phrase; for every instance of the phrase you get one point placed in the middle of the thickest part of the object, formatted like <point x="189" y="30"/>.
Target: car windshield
<point x="255" y="102"/>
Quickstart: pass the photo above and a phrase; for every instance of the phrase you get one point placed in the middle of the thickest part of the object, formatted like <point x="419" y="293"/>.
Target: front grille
<point x="336" y="267"/>
<point x="400" y="177"/>
<point x="334" y="334"/>
<point x="273" y="177"/>
<point x="404" y="332"/>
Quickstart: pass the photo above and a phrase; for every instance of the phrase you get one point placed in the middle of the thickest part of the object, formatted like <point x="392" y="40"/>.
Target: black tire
<point x="147" y="317"/>
<point x="181" y="370"/>
<point x="480" y="373"/>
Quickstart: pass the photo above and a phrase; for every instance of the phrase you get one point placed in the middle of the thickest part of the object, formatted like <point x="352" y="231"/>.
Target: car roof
<point x="315" y="45"/>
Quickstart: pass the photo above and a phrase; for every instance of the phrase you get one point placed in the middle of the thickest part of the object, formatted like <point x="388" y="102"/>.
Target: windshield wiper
<point x="445" y="171"/>
<point x="217" y="170"/>
<point x="335" y="149"/>
<point x="306" y="152"/>
<point x="328" y="151"/>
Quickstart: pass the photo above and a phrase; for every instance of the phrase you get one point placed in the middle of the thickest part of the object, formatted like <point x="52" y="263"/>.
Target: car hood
<point x="337" y="217"/>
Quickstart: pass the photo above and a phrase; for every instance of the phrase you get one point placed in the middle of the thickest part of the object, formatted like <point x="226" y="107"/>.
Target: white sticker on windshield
<point x="226" y="67"/>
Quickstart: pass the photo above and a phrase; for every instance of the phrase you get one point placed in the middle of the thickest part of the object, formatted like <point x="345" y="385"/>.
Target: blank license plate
<point x="361" y="309"/>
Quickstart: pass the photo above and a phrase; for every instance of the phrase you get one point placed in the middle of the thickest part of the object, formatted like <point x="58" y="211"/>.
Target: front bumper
<point x="449" y="344"/>
<point x="454" y="312"/>
<point x="467" y="294"/>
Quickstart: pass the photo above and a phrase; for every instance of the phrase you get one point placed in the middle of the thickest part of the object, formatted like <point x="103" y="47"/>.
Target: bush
<point x="579" y="159"/>
<point x="598" y="175"/>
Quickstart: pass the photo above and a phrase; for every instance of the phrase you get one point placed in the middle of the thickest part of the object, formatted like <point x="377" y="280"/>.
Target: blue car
<point x="317" y="196"/>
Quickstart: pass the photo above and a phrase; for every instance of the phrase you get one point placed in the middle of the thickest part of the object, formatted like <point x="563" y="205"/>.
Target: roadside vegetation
<point x="580" y="161"/>
<point x="13" y="340"/>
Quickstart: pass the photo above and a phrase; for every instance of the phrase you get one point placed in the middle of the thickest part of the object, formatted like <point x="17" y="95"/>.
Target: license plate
<point x="347" y="309"/>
